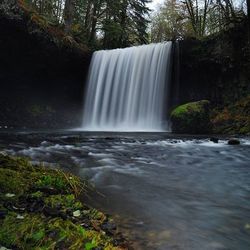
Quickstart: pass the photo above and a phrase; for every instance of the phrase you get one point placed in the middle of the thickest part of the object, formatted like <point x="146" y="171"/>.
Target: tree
<point x="69" y="10"/>
<point x="138" y="13"/>
<point x="197" y="13"/>
<point x="169" y="22"/>
<point x="107" y="23"/>
<point x="125" y="23"/>
<point x="248" y="17"/>
<point x="248" y="9"/>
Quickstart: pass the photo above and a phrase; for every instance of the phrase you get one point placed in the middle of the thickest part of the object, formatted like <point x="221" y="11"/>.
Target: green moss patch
<point x="191" y="118"/>
<point x="40" y="209"/>
<point x="190" y="108"/>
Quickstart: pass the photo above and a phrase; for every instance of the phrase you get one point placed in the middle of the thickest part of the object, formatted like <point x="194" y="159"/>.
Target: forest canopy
<point x="196" y="18"/>
<point x="121" y="23"/>
<point x="98" y="23"/>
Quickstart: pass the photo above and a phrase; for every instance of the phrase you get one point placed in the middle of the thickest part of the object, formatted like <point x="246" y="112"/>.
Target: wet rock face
<point x="216" y="68"/>
<point x="42" y="79"/>
<point x="191" y="118"/>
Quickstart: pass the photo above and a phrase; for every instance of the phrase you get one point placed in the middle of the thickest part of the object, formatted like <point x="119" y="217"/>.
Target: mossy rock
<point x="191" y="118"/>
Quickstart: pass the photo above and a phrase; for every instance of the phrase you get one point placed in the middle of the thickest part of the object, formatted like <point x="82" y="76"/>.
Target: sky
<point x="154" y="4"/>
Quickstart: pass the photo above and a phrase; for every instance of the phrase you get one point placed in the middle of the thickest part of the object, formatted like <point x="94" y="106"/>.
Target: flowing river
<point x="164" y="191"/>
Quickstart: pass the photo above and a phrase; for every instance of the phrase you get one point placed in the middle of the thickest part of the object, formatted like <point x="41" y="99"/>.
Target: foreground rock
<point x="40" y="209"/>
<point x="191" y="118"/>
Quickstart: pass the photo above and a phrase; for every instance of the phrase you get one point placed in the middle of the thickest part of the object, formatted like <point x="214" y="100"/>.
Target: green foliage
<point x="90" y="245"/>
<point x="82" y="231"/>
<point x="11" y="181"/>
<point x="18" y="172"/>
<point x="169" y="22"/>
<point x="34" y="231"/>
<point x="180" y="19"/>
<point x="65" y="201"/>
<point x="39" y="235"/>
<point x="108" y="24"/>
<point x="37" y="195"/>
<point x="51" y="181"/>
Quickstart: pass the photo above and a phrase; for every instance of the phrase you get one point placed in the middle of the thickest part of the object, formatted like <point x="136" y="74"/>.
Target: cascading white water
<point x="127" y="89"/>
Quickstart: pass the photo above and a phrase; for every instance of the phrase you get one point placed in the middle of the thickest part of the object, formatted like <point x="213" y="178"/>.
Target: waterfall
<point x="127" y="89"/>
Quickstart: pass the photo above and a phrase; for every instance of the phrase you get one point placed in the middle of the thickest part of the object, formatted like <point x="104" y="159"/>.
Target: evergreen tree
<point x="139" y="21"/>
<point x="109" y="23"/>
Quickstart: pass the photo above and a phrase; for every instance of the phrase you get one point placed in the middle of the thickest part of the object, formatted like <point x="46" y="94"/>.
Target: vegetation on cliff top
<point x="39" y="24"/>
<point x="40" y="209"/>
<point x="99" y="24"/>
<point x="199" y="19"/>
<point x="113" y="24"/>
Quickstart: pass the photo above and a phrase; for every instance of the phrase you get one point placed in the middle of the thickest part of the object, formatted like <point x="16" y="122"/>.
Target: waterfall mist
<point x="127" y="89"/>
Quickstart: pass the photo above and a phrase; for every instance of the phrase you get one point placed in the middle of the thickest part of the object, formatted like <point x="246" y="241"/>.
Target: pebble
<point x="20" y="217"/>
<point x="10" y="195"/>
<point x="4" y="248"/>
<point x="77" y="213"/>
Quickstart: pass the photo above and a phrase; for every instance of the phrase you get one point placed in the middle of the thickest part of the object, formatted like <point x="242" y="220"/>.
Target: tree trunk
<point x="87" y="19"/>
<point x="248" y="17"/>
<point x="69" y="15"/>
<point x="94" y="21"/>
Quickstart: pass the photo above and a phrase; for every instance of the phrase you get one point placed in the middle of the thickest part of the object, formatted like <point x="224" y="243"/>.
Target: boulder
<point x="214" y="139"/>
<point x="233" y="141"/>
<point x="192" y="118"/>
